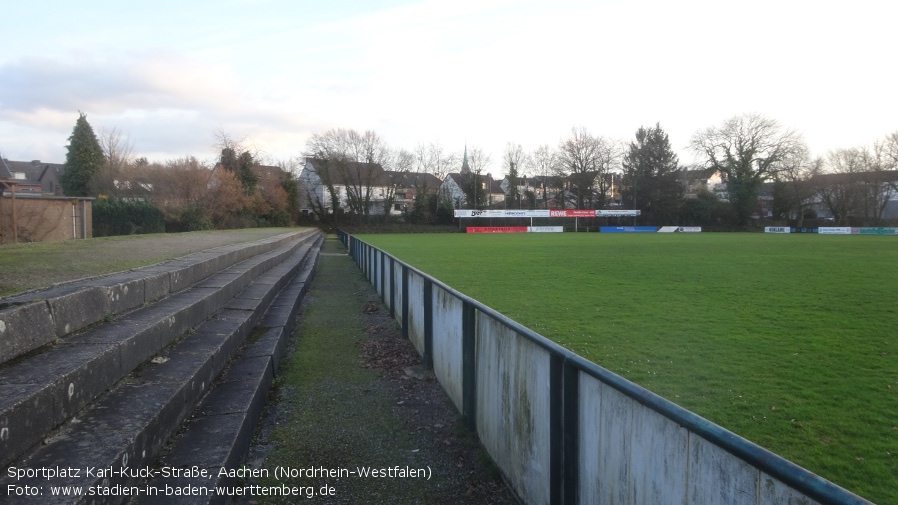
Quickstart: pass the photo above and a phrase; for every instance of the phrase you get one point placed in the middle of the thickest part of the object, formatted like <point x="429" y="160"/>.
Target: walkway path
<point x="351" y="397"/>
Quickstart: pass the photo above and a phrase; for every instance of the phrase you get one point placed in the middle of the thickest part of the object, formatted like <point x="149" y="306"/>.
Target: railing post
<point x="571" y="431"/>
<point x="564" y="439"/>
<point x="469" y="366"/>
<point x="556" y="426"/>
<point x="405" y="302"/>
<point x="392" y="288"/>
<point x="383" y="276"/>
<point x="427" y="355"/>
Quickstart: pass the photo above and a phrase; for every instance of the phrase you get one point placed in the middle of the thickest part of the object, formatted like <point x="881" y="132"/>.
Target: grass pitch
<point x="787" y="340"/>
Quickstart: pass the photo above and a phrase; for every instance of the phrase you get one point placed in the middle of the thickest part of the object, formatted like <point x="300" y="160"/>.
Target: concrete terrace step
<point x="192" y="334"/>
<point x="34" y="319"/>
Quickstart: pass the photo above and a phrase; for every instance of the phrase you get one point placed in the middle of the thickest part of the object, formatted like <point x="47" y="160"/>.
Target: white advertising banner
<point x="546" y="229"/>
<point x="501" y="213"/>
<point x="680" y="229"/>
<point x="620" y="212"/>
<point x="834" y="230"/>
<point x="777" y="229"/>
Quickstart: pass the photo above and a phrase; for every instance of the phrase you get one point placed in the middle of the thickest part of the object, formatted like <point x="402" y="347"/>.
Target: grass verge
<point x="41" y="264"/>
<point x="334" y="412"/>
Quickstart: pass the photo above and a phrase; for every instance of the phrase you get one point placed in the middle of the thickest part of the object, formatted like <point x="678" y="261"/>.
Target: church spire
<point x="465" y="168"/>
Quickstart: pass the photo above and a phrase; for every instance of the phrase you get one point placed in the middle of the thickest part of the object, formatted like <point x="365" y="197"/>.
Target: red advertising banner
<point x="497" y="229"/>
<point x="572" y="213"/>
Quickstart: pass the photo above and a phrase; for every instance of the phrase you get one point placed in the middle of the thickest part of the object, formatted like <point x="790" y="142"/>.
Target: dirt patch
<point x="430" y="417"/>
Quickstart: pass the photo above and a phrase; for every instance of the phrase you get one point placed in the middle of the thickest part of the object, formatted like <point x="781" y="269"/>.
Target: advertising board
<point x="491" y="213"/>
<point x="618" y="212"/>
<point x="876" y="231"/>
<point x="834" y="230"/>
<point x="628" y="229"/>
<point x="496" y="229"/>
<point x="777" y="229"/>
<point x="572" y="213"/>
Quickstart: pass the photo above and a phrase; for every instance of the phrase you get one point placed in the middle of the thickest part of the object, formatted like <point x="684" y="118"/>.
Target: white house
<point x="361" y="188"/>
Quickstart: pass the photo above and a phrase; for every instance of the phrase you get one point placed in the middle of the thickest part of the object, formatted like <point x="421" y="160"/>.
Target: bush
<point x="195" y="219"/>
<point x="116" y="216"/>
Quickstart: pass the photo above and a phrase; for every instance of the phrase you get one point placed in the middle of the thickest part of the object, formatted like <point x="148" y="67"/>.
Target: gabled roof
<point x="880" y="176"/>
<point x="5" y="173"/>
<point x="269" y="173"/>
<point x="34" y="170"/>
<point x="414" y="180"/>
<point x="350" y="173"/>
<point x="463" y="178"/>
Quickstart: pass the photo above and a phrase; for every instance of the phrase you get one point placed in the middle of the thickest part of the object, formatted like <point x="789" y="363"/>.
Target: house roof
<point x="462" y="178"/>
<point x="269" y="173"/>
<point x="350" y="173"/>
<point x="5" y="173"/>
<point x="34" y="170"/>
<point x="841" y="178"/>
<point x="414" y="180"/>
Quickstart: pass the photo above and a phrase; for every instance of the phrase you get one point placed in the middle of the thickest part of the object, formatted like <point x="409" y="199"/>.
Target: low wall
<point x="564" y="430"/>
<point x="44" y="218"/>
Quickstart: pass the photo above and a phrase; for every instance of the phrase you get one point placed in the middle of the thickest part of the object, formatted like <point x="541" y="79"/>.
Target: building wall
<point x="45" y="219"/>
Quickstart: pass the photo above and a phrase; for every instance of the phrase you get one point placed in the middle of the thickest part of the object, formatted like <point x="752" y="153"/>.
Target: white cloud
<point x="484" y="72"/>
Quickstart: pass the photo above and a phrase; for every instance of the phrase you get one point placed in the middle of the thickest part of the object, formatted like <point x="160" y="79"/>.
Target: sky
<point x="169" y="75"/>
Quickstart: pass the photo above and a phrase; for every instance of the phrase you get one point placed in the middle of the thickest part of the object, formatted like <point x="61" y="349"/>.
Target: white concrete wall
<point x="416" y="311"/>
<point x="447" y="343"/>
<point x="629" y="454"/>
<point x="513" y="407"/>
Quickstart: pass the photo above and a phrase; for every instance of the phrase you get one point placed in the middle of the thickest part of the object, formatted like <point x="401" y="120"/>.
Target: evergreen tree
<point x="245" y="173"/>
<point x="241" y="166"/>
<point x="83" y="159"/>
<point x="651" y="179"/>
<point x="513" y="200"/>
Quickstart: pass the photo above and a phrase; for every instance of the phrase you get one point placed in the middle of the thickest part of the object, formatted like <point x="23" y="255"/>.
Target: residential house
<point x="409" y="187"/>
<point x="30" y="212"/>
<point x="36" y="176"/>
<point x="859" y="198"/>
<point x="491" y="189"/>
<point x="694" y="181"/>
<point x="549" y="192"/>
<point x="360" y="188"/>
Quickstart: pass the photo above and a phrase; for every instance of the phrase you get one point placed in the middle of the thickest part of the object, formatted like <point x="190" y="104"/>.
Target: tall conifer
<point x="83" y="159"/>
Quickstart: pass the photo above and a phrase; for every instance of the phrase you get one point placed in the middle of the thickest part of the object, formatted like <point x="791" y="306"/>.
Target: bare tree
<point x="890" y="146"/>
<point x="792" y="194"/>
<point x="746" y="150"/>
<point x="543" y="163"/>
<point x="114" y="177"/>
<point x="584" y="159"/>
<point x="838" y="189"/>
<point x="878" y="182"/>
<point x="400" y="162"/>
<point x="516" y="162"/>
<point x="432" y="159"/>
<point x="352" y="160"/>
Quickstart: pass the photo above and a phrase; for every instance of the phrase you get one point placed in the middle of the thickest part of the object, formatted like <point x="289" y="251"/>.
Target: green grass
<point x="789" y="341"/>
<point x="40" y="264"/>
<point x="334" y="413"/>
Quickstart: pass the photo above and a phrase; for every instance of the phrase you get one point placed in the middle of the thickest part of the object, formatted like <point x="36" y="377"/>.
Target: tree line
<point x="748" y="153"/>
<point x="134" y="195"/>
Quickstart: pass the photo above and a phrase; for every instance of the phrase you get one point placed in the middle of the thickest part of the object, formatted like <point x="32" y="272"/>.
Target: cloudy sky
<point x="169" y="74"/>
